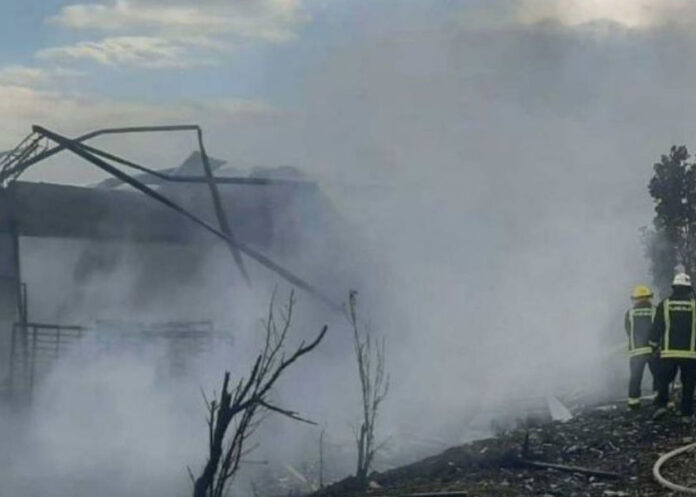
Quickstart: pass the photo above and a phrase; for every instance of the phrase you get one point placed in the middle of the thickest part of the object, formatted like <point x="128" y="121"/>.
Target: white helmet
<point x="681" y="279"/>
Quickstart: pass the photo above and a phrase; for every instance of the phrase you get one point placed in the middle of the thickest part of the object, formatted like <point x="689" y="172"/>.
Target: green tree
<point x="672" y="240"/>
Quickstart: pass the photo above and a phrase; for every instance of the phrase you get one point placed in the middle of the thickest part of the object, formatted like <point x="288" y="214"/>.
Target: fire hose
<point x="666" y="457"/>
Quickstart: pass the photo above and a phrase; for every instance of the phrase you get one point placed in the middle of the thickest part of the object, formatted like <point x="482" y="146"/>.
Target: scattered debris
<point x="569" y="469"/>
<point x="606" y="452"/>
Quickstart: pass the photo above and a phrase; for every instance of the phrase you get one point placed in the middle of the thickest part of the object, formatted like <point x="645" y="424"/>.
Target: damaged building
<point x="57" y="240"/>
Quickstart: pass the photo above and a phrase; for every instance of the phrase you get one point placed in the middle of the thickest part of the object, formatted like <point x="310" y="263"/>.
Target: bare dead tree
<point x="321" y="458"/>
<point x="374" y="384"/>
<point x="235" y="416"/>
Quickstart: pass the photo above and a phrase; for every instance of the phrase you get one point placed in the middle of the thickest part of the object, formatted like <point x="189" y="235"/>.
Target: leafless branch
<point x="285" y="412"/>
<point x="374" y="386"/>
<point x="235" y="416"/>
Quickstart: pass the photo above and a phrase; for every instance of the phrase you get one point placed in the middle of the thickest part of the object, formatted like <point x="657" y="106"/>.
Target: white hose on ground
<point x="666" y="457"/>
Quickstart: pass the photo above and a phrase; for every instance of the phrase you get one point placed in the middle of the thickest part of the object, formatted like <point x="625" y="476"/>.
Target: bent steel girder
<point x="24" y="151"/>
<point x="85" y="152"/>
<point x="18" y="160"/>
<point x="15" y="169"/>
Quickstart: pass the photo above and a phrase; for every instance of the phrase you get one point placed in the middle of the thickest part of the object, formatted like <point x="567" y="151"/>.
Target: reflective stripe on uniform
<point x="678" y="354"/>
<point x="633" y="401"/>
<point x="667" y="324"/>
<point x="643" y="311"/>
<point x="640" y="351"/>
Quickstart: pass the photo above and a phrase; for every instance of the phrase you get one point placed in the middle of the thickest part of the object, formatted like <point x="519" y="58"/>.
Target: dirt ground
<point x="607" y="438"/>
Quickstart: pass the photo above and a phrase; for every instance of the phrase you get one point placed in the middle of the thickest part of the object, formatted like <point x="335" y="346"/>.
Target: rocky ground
<point x="607" y="439"/>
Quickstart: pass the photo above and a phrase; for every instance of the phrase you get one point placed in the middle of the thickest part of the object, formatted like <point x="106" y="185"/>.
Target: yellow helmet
<point x="641" y="292"/>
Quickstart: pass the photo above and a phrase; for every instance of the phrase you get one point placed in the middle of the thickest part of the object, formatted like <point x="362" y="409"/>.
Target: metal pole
<point x="32" y="369"/>
<point x="14" y="233"/>
<point x="12" y="357"/>
<point x="57" y="342"/>
<point x="20" y="289"/>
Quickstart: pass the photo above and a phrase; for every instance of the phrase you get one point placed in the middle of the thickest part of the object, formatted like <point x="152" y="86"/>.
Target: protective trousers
<point x="637" y="365"/>
<point x="667" y="372"/>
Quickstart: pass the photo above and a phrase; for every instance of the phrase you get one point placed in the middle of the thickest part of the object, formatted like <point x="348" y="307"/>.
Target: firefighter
<point x="638" y="321"/>
<point x="673" y="338"/>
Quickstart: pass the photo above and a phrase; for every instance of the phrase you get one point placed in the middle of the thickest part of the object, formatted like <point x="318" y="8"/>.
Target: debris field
<point x="603" y="451"/>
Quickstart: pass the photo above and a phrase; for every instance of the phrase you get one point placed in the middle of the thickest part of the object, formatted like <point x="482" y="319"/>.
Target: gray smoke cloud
<point x="493" y="179"/>
<point x="505" y="174"/>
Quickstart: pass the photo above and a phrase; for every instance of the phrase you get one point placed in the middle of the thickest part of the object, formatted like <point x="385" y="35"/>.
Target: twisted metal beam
<point x="20" y="166"/>
<point x="80" y="150"/>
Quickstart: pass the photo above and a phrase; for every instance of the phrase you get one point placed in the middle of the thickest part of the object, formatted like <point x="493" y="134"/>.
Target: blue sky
<point x="253" y="67"/>
<point x="80" y="64"/>
<point x="27" y="28"/>
<point x="169" y="50"/>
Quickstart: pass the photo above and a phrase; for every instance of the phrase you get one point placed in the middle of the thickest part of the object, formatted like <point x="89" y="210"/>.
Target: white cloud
<point x="207" y="42"/>
<point x="159" y="34"/>
<point x="630" y="13"/>
<point x="21" y="105"/>
<point x="135" y="51"/>
<point x="74" y="114"/>
<point x="36" y="77"/>
<point x="22" y="75"/>
<point x="268" y="20"/>
<point x="574" y="12"/>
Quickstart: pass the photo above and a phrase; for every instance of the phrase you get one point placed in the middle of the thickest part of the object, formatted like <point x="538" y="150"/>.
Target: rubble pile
<point x="603" y="451"/>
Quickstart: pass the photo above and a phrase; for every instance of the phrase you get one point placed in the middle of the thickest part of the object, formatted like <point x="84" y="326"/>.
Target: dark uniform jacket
<point x="673" y="328"/>
<point x="638" y="322"/>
